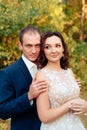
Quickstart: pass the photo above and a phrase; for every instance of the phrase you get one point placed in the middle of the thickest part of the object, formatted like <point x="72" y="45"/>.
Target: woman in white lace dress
<point x="57" y="107"/>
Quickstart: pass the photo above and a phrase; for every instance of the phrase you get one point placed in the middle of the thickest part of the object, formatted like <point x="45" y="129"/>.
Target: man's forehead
<point x="31" y="38"/>
<point x="32" y="35"/>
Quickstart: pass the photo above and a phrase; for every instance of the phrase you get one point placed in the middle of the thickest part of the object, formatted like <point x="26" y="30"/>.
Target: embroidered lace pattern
<point x="62" y="87"/>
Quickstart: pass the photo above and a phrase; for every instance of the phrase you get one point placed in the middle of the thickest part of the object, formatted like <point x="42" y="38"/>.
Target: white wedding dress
<point x="62" y="87"/>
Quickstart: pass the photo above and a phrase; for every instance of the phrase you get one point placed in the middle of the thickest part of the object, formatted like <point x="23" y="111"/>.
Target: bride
<point x="58" y="107"/>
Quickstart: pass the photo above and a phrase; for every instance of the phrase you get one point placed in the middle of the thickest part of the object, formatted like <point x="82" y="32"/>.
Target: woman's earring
<point x="62" y="55"/>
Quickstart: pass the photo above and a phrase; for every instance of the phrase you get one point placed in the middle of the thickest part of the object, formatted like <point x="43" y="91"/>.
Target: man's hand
<point x="36" y="88"/>
<point x="78" y="82"/>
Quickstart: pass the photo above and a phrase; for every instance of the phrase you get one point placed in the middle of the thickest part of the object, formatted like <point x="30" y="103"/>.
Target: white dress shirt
<point x="30" y="65"/>
<point x="32" y="69"/>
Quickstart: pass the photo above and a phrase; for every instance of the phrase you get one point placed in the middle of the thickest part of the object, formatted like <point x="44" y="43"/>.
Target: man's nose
<point x="33" y="49"/>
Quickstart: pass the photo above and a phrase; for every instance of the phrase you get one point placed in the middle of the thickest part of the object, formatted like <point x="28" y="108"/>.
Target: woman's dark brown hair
<point x="42" y="60"/>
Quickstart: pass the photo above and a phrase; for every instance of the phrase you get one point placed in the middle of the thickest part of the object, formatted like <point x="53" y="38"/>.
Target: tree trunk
<point x="82" y="21"/>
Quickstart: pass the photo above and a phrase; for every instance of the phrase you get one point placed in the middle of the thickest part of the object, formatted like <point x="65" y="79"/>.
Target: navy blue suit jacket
<point x="14" y="103"/>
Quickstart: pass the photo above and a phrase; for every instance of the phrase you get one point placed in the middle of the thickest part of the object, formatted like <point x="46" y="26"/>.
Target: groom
<point x="17" y="90"/>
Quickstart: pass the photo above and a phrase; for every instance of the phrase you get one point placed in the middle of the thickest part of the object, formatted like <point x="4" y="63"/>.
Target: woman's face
<point x="53" y="49"/>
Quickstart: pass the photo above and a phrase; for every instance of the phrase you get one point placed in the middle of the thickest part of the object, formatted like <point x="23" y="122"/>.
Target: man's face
<point x="31" y="46"/>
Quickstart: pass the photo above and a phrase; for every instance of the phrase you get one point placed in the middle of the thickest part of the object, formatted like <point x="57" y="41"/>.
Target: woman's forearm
<point x="54" y="113"/>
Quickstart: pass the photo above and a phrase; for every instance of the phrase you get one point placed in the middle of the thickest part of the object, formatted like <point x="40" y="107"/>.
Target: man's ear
<point x="20" y="45"/>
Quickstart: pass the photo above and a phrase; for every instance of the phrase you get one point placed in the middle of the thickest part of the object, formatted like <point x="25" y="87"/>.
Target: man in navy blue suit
<point x="17" y="89"/>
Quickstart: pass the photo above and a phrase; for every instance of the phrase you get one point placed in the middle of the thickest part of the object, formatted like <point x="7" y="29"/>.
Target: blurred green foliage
<point x="47" y="15"/>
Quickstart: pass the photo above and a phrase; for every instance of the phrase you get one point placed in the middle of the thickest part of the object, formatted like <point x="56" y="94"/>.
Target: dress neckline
<point x="54" y="71"/>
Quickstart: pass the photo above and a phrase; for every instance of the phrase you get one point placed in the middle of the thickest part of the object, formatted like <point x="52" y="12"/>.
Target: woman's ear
<point x="63" y="55"/>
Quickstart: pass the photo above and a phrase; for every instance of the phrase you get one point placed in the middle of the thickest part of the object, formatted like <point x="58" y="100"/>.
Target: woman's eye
<point x="58" y="45"/>
<point x="46" y="47"/>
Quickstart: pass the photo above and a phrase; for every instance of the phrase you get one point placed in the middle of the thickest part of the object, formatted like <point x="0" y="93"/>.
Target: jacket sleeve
<point x="10" y="104"/>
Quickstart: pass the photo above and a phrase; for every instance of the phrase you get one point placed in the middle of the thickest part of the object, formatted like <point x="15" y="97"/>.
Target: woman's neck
<point x="54" y="66"/>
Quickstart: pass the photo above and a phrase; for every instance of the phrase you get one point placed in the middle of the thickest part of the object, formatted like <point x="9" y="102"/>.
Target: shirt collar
<point x="28" y="63"/>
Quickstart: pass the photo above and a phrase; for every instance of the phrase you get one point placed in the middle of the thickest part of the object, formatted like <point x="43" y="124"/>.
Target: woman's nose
<point x="53" y="49"/>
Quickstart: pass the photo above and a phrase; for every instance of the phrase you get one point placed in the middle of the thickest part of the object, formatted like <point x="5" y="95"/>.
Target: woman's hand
<point x="78" y="106"/>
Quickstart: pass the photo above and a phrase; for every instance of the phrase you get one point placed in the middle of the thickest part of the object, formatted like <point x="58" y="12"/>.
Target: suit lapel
<point x="25" y="71"/>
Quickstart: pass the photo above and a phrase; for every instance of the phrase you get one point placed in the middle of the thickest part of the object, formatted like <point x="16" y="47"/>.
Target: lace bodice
<point x="62" y="87"/>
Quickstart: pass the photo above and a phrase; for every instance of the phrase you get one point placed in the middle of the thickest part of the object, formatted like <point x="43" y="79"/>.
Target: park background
<point x="66" y="16"/>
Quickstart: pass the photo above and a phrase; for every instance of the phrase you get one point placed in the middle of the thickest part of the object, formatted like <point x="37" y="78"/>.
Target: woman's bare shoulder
<point x="40" y="75"/>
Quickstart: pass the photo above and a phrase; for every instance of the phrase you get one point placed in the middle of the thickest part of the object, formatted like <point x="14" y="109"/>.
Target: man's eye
<point x="29" y="46"/>
<point x="38" y="45"/>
